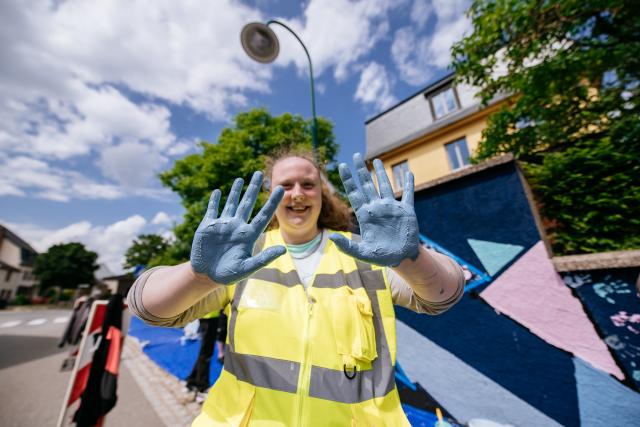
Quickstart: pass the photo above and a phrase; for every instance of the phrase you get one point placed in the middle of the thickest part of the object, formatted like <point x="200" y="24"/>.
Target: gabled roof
<point x="8" y="234"/>
<point x="433" y="127"/>
<point x="431" y="87"/>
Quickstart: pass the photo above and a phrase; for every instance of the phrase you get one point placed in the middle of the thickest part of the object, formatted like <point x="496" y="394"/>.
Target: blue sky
<point x="97" y="98"/>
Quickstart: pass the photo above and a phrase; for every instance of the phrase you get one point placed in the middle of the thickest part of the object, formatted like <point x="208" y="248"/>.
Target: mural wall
<point x="525" y="346"/>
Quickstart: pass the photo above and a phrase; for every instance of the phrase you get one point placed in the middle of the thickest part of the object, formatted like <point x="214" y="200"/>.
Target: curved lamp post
<point x="261" y="44"/>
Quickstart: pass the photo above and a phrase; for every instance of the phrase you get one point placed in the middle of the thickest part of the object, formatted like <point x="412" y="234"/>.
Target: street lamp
<point x="261" y="44"/>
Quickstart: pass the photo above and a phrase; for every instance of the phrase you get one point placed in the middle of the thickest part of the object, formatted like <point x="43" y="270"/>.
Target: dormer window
<point x="444" y="102"/>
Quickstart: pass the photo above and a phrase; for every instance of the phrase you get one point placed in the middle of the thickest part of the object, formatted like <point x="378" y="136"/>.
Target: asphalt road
<point x="33" y="387"/>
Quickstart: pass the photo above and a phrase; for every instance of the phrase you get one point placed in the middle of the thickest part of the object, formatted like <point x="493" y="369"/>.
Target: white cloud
<point x="22" y="175"/>
<point x="71" y="71"/>
<point x="110" y="241"/>
<point x="416" y="55"/>
<point x="131" y="164"/>
<point x="97" y="79"/>
<point x="161" y="218"/>
<point x="337" y="33"/>
<point x="374" y="87"/>
<point x="181" y="147"/>
<point x="421" y="10"/>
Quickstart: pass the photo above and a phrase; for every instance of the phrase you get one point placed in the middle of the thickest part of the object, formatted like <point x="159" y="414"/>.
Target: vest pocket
<point x="262" y="296"/>
<point x="353" y="328"/>
<point x="230" y="402"/>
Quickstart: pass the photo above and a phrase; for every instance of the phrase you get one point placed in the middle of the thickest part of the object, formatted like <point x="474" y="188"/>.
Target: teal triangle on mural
<point x="492" y="255"/>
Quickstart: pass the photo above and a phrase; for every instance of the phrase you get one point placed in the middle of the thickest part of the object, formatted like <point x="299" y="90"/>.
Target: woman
<point x="311" y="335"/>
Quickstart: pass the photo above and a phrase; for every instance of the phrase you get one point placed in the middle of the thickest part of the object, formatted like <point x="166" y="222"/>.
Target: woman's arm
<point x="434" y="277"/>
<point x="221" y="254"/>
<point x="169" y="291"/>
<point x="173" y="297"/>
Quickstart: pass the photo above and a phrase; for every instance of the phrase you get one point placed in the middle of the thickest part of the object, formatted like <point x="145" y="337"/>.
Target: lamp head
<point x="260" y="42"/>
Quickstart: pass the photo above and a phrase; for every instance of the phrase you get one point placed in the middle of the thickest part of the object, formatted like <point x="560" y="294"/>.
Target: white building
<point x="16" y="264"/>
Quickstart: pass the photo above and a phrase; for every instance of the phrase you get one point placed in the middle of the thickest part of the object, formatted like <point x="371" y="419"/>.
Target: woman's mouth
<point x="298" y="209"/>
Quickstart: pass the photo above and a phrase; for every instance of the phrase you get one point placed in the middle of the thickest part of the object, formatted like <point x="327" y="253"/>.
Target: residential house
<point x="16" y="264"/>
<point x="431" y="133"/>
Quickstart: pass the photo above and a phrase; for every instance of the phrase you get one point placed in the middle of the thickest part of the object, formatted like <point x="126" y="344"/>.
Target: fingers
<point x="249" y="199"/>
<point x="261" y="220"/>
<point x="407" y="192"/>
<point x="384" y="185"/>
<point x="262" y="259"/>
<point x="347" y="246"/>
<point x="212" y="207"/>
<point x="368" y="188"/>
<point x="232" y="201"/>
<point x="353" y="193"/>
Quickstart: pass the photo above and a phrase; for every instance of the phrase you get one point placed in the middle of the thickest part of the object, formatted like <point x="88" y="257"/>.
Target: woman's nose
<point x="297" y="193"/>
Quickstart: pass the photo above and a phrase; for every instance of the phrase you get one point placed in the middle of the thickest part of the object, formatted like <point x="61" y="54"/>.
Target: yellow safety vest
<point x="323" y="356"/>
<point x="211" y="315"/>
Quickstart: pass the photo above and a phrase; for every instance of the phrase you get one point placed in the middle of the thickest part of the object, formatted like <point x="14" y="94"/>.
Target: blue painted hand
<point x="389" y="227"/>
<point x="222" y="246"/>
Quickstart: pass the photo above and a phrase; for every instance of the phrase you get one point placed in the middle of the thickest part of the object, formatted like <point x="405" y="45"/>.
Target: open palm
<point x="389" y="227"/>
<point x="223" y="246"/>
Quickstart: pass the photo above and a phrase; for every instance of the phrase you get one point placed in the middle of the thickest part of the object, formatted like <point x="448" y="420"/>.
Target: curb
<point x="163" y="391"/>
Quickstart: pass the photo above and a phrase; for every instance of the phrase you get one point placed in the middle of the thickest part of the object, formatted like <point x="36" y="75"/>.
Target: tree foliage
<point x="240" y="150"/>
<point x="573" y="70"/>
<point x="67" y="265"/>
<point x="144" y="248"/>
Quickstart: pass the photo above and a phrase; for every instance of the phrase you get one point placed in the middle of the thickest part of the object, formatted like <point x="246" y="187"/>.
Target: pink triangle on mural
<point x="533" y="294"/>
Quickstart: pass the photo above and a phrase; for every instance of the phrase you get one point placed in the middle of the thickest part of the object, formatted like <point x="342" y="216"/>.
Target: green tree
<point x="573" y="68"/>
<point x="240" y="150"/>
<point x="144" y="248"/>
<point x="66" y="265"/>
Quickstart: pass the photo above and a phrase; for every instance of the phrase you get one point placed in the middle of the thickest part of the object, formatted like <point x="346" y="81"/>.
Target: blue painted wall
<point x="488" y="205"/>
<point x="611" y="301"/>
<point x="506" y="352"/>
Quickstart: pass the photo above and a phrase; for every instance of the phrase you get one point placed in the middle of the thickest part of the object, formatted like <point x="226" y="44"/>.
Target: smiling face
<point x="300" y="207"/>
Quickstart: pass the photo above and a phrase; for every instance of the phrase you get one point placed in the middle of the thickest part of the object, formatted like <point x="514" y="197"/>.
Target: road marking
<point x="10" y="323"/>
<point x="36" y="322"/>
<point x="63" y="319"/>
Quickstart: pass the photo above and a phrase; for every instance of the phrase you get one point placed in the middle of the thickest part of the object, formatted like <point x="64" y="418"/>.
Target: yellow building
<point x="432" y="133"/>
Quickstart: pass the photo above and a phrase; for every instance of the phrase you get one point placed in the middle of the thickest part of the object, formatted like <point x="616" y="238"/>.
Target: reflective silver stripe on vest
<point x="274" y="275"/>
<point x="267" y="372"/>
<point x="329" y="280"/>
<point x="380" y="379"/>
<point x="352" y="279"/>
<point x="234" y="313"/>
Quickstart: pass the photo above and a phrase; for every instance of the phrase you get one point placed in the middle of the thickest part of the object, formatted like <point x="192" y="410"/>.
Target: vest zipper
<point x="305" y="377"/>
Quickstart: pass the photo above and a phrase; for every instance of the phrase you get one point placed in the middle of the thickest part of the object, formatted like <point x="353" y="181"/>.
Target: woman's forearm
<point x="432" y="276"/>
<point x="172" y="290"/>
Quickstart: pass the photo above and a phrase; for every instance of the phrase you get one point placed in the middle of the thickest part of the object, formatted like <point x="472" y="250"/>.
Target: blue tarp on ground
<point x="162" y="345"/>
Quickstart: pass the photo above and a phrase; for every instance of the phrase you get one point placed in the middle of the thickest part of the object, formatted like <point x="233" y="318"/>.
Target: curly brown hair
<point x="335" y="214"/>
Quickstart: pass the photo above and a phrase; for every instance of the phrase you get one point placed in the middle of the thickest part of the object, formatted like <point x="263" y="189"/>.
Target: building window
<point x="399" y="171"/>
<point x="444" y="102"/>
<point x="458" y="153"/>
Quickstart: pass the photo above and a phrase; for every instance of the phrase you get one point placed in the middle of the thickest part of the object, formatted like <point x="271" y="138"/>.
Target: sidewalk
<point x="162" y="390"/>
